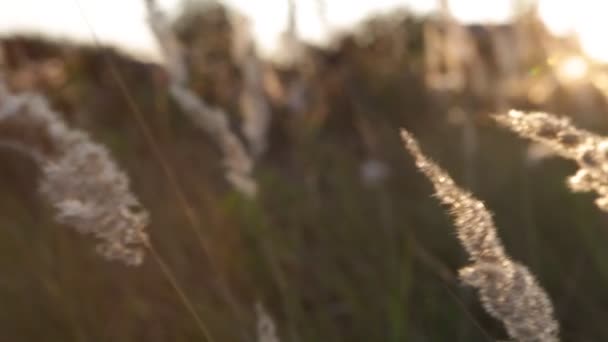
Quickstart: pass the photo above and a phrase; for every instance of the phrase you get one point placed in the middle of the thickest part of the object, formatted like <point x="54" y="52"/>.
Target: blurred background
<point x="344" y="241"/>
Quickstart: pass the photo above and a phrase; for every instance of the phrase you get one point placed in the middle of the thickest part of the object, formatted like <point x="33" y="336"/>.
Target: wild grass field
<point x="299" y="215"/>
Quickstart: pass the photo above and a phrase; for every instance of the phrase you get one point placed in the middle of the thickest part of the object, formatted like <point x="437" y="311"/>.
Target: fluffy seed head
<point x="79" y="177"/>
<point x="508" y="291"/>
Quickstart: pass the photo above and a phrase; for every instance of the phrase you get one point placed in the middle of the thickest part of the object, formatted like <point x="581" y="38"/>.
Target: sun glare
<point x="572" y="69"/>
<point x="584" y="18"/>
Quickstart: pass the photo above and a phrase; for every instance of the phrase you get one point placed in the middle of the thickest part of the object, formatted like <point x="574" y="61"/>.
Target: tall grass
<point x="79" y="178"/>
<point x="588" y="150"/>
<point x="333" y="256"/>
<point x="214" y="121"/>
<point x="507" y="289"/>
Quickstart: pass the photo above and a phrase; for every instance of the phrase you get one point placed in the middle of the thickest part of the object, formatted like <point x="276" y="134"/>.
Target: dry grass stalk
<point x="213" y="121"/>
<point x="507" y="289"/>
<point x="266" y="329"/>
<point x="79" y="177"/>
<point x="588" y="150"/>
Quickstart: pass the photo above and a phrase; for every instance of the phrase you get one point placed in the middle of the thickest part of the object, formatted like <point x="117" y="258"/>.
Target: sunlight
<point x="584" y="18"/>
<point x="571" y="69"/>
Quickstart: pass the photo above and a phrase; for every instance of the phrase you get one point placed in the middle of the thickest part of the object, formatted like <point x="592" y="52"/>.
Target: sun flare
<point x="583" y="18"/>
<point x="571" y="68"/>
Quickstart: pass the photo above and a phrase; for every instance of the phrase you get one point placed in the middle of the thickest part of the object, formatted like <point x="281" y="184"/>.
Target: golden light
<point x="584" y="18"/>
<point x="571" y="69"/>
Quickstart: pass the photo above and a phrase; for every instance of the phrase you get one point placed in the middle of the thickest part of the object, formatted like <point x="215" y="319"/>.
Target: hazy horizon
<point x="122" y="23"/>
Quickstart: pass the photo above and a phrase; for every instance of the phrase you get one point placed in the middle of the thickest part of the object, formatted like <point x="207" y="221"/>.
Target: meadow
<point x="310" y="221"/>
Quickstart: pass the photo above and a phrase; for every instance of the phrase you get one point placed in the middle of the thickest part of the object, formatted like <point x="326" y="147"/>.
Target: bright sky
<point x="122" y="22"/>
<point x="587" y="18"/>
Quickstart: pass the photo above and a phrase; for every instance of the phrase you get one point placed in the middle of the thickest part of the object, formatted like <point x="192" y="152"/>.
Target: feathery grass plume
<point x="213" y="121"/>
<point x="253" y="101"/>
<point x="266" y="329"/>
<point x="79" y="177"/>
<point x="507" y="289"/>
<point x="590" y="151"/>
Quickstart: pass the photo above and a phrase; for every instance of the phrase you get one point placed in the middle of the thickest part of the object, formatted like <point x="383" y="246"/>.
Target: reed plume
<point x="212" y="120"/>
<point x="507" y="289"/>
<point x="588" y="150"/>
<point x="79" y="177"/>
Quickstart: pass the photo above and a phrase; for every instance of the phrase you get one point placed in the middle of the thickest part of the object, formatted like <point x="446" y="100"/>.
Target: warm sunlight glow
<point x="572" y="69"/>
<point x="585" y="18"/>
